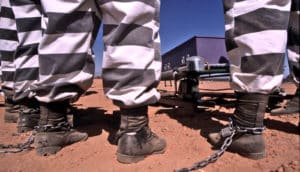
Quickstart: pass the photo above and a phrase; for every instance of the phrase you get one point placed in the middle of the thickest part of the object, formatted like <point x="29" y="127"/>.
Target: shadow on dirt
<point x="281" y="126"/>
<point x="94" y="120"/>
<point x="207" y="121"/>
<point x="201" y="120"/>
<point x="89" y="93"/>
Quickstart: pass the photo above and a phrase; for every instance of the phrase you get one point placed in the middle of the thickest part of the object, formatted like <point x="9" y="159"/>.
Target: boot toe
<point x="215" y="139"/>
<point x="76" y="136"/>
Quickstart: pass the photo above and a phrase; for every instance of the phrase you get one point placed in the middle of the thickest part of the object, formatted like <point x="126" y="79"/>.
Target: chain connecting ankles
<point x="62" y="126"/>
<point x="228" y="133"/>
<point x="20" y="147"/>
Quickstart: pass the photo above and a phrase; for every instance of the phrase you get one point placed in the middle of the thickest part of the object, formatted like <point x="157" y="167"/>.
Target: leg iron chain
<point x="16" y="148"/>
<point x="228" y="133"/>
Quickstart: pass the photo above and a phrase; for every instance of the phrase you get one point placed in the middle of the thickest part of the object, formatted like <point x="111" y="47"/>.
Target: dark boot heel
<point x="127" y="159"/>
<point x="24" y="129"/>
<point x="10" y="120"/>
<point x="254" y="156"/>
<point x="46" y="151"/>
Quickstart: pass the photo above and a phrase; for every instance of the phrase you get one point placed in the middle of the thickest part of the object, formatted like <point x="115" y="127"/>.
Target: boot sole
<point x="10" y="119"/>
<point x="46" y="151"/>
<point x="7" y="120"/>
<point x="127" y="159"/>
<point x="24" y="129"/>
<point x="254" y="156"/>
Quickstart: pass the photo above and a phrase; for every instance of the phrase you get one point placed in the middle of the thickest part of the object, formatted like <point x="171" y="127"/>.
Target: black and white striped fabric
<point x="256" y="39"/>
<point x="131" y="59"/>
<point x="8" y="45"/>
<point x="294" y="41"/>
<point x="28" y="24"/>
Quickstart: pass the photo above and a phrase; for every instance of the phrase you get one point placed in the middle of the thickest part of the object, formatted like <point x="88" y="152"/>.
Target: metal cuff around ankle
<point x="62" y="126"/>
<point x="231" y="128"/>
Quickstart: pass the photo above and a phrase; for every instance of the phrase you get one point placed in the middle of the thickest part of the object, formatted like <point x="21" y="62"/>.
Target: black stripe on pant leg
<point x="261" y="20"/>
<point x="26" y="74"/>
<point x="230" y="44"/>
<point x="295" y="5"/>
<point x="127" y="34"/>
<point x="121" y="79"/>
<point x="76" y="22"/>
<point x="8" y="76"/>
<point x="28" y="24"/>
<point x="7" y="55"/>
<point x="228" y="4"/>
<point x="26" y="50"/>
<point x="62" y="63"/>
<point x="10" y="35"/>
<point x="266" y="64"/>
<point x="23" y="2"/>
<point x="293" y="30"/>
<point x="6" y="12"/>
<point x="279" y="2"/>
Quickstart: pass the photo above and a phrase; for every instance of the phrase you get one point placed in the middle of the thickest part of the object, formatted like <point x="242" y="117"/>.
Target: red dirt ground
<point x="184" y="130"/>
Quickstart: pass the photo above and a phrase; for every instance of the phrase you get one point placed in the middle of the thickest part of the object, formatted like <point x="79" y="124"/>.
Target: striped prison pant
<point x="8" y="45"/>
<point x="256" y="41"/>
<point x="21" y="34"/>
<point x="28" y="24"/>
<point x="131" y="64"/>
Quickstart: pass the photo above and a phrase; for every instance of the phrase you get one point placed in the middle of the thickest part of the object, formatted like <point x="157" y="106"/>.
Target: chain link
<point x="228" y="133"/>
<point x="227" y="142"/>
<point x="10" y="148"/>
<point x="62" y="126"/>
<point x="20" y="147"/>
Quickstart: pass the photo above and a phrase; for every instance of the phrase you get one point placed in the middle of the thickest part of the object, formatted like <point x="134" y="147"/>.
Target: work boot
<point x="136" y="140"/>
<point x="29" y="115"/>
<point x="291" y="107"/>
<point x="54" y="131"/>
<point x="248" y="123"/>
<point x="12" y="109"/>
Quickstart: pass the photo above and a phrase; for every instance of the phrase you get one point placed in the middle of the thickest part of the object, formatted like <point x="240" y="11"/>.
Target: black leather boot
<point x="248" y="124"/>
<point x="12" y="109"/>
<point x="136" y="140"/>
<point x="292" y="106"/>
<point x="54" y="131"/>
<point x="29" y="115"/>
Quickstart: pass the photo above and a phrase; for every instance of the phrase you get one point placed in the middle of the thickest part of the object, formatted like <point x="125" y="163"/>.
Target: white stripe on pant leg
<point x="65" y="43"/>
<point x="8" y="45"/>
<point x="67" y="6"/>
<point x="27" y="10"/>
<point x="123" y="57"/>
<point x="27" y="62"/>
<point x="31" y="37"/>
<point x="126" y="12"/>
<point x="7" y="23"/>
<point x="247" y="82"/>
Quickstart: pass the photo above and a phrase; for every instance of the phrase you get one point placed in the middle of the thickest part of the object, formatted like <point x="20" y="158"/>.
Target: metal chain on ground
<point x="228" y="133"/>
<point x="20" y="147"/>
<point x="212" y="158"/>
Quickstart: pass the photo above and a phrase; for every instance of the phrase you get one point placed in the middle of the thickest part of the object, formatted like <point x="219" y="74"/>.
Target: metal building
<point x="212" y="49"/>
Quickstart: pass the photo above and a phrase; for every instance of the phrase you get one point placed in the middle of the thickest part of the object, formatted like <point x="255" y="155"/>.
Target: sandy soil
<point x="185" y="132"/>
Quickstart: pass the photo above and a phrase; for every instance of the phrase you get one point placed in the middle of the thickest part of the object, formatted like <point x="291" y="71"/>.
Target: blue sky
<point x="180" y="20"/>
